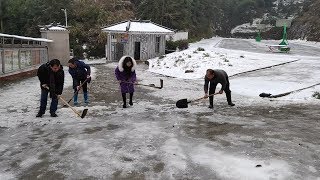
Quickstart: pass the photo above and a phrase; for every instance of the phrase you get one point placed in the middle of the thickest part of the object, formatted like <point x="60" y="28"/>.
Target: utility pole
<point x="1" y="17"/>
<point x="65" y="15"/>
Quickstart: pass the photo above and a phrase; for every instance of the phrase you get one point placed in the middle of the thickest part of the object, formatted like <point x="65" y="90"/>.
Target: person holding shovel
<point x="80" y="73"/>
<point x="51" y="76"/>
<point x="215" y="77"/>
<point x="126" y="75"/>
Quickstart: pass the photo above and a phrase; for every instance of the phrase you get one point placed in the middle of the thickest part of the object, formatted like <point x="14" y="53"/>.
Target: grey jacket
<point x="220" y="76"/>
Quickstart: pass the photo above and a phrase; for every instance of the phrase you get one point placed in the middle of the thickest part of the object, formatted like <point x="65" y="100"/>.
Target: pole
<point x="65" y="15"/>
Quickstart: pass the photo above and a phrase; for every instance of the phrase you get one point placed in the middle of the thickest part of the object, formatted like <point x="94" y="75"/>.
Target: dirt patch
<point x="159" y="167"/>
<point x="209" y="130"/>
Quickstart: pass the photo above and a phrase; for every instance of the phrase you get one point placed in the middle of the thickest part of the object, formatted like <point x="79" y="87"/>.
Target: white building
<point x="140" y="39"/>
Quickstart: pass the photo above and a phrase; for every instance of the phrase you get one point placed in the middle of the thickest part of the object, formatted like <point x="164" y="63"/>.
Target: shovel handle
<point x="206" y="97"/>
<point x="66" y="103"/>
<point x="78" y="90"/>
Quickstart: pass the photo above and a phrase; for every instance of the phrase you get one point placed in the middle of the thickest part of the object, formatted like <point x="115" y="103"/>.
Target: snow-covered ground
<point x="292" y="76"/>
<point x="256" y="139"/>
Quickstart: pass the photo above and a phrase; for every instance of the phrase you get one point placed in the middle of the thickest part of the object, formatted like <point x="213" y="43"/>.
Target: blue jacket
<point x="81" y="71"/>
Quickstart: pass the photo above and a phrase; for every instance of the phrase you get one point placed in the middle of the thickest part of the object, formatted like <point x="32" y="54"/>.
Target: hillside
<point x="307" y="26"/>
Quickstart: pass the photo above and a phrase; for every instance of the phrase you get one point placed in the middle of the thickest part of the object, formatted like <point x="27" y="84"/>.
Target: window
<point x="157" y="44"/>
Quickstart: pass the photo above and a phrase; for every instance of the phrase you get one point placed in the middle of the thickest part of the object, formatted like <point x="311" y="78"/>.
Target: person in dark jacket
<point x="79" y="72"/>
<point x="51" y="76"/>
<point x="215" y="77"/>
<point x="126" y="75"/>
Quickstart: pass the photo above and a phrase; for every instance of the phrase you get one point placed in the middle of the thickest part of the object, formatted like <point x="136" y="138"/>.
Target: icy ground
<point x="256" y="139"/>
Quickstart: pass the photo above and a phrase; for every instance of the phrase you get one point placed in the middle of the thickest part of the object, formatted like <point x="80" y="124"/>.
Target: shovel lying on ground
<point x="183" y="103"/>
<point x="82" y="115"/>
<point x="268" y="95"/>
<point x="147" y="85"/>
<point x="76" y="92"/>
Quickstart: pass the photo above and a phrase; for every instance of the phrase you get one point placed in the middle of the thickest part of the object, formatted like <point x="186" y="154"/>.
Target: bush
<point x="200" y="49"/>
<point x="181" y="45"/>
<point x="171" y="45"/>
<point x="206" y="54"/>
<point x="316" y="95"/>
<point x="161" y="57"/>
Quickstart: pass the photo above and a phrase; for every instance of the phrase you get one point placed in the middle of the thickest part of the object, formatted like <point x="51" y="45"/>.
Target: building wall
<point x="60" y="47"/>
<point x="14" y="60"/>
<point x="147" y="45"/>
<point x="177" y="36"/>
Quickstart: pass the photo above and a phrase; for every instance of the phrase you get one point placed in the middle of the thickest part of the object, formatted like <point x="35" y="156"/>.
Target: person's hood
<point x="121" y="69"/>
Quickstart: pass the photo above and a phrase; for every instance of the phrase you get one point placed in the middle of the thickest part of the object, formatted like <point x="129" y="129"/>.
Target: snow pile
<point x="250" y="28"/>
<point x="193" y="62"/>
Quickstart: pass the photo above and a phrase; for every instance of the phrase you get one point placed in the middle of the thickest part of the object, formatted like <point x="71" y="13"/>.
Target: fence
<point x="18" y="59"/>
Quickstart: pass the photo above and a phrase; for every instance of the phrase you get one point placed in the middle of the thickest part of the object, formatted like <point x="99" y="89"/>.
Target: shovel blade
<point x="84" y="113"/>
<point x="265" y="95"/>
<point x="161" y="83"/>
<point x="182" y="103"/>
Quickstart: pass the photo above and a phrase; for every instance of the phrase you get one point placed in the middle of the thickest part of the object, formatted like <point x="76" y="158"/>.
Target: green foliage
<point x="171" y="45"/>
<point x="181" y="45"/>
<point x="201" y="18"/>
<point x="316" y="95"/>
<point x="200" y="49"/>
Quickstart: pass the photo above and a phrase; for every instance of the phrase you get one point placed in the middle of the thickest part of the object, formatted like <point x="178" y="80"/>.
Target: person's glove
<point x="88" y="78"/>
<point x="45" y="86"/>
<point x="206" y="95"/>
<point x="78" y="88"/>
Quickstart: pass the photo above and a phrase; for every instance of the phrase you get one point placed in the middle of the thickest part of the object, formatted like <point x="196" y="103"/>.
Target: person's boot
<point x="130" y="102"/>
<point x="229" y="99"/>
<point x="85" y="95"/>
<point x="75" y="100"/>
<point x="124" y="99"/>
<point x="53" y="114"/>
<point x="39" y="114"/>
<point x="124" y="105"/>
<point x="211" y="102"/>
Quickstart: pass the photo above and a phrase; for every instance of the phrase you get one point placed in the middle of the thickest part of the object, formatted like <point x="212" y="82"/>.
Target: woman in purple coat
<point x="126" y="75"/>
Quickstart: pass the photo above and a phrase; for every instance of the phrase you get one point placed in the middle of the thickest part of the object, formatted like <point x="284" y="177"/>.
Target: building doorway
<point x="137" y="49"/>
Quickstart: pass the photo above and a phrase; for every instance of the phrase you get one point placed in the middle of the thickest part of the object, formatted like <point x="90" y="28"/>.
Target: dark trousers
<point x="212" y="90"/>
<point x="124" y="98"/>
<point x="43" y="102"/>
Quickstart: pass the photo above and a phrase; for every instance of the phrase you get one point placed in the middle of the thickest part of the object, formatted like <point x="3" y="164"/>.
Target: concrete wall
<point x="60" y="47"/>
<point x="177" y="36"/>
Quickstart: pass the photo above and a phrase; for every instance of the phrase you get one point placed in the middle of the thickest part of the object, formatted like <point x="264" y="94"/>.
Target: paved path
<point x="155" y="140"/>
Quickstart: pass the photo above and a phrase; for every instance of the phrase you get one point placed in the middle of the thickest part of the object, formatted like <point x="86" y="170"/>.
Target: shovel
<point x="183" y="103"/>
<point x="76" y="92"/>
<point x="82" y="115"/>
<point x="268" y="95"/>
<point x="147" y="85"/>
